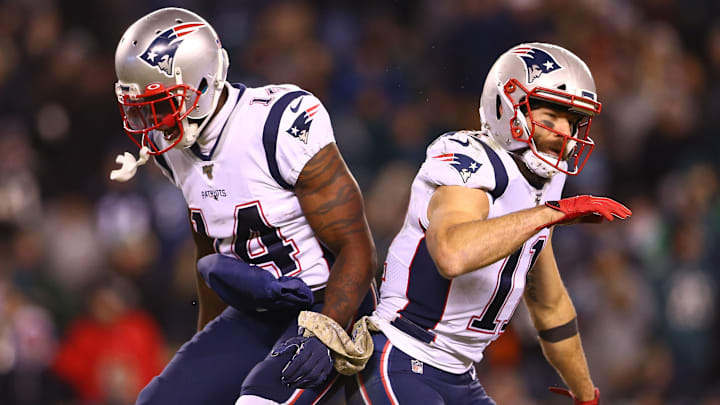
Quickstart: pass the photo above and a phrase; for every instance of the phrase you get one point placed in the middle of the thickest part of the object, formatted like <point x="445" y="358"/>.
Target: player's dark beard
<point x="550" y="144"/>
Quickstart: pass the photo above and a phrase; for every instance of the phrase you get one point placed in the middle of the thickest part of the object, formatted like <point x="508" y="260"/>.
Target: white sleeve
<point x="454" y="159"/>
<point x="304" y="129"/>
<point x="459" y="159"/>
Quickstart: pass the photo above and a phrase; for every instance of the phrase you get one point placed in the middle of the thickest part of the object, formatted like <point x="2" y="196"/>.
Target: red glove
<point x="563" y="391"/>
<point x="586" y="208"/>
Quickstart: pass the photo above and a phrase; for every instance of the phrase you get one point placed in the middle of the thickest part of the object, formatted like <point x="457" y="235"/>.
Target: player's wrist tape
<point x="350" y="354"/>
<point x="559" y="333"/>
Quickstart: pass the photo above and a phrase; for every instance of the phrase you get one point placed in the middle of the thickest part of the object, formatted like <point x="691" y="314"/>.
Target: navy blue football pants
<point x="392" y="377"/>
<point x="230" y="357"/>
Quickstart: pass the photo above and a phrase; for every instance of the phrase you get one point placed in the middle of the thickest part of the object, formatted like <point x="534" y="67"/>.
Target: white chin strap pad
<point x="540" y="167"/>
<point x="129" y="165"/>
<point x="190" y="134"/>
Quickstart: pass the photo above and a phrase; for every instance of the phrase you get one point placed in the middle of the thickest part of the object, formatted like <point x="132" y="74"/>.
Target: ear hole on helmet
<point x="203" y="85"/>
<point x="498" y="106"/>
<point x="134" y="43"/>
<point x="562" y="87"/>
<point x="178" y="21"/>
<point x="157" y="32"/>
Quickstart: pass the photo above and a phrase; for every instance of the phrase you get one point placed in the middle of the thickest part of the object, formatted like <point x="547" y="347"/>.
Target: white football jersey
<point x="240" y="188"/>
<point x="448" y="323"/>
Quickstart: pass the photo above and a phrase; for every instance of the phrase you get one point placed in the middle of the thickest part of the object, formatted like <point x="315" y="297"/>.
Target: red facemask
<point x="577" y="146"/>
<point x="158" y="108"/>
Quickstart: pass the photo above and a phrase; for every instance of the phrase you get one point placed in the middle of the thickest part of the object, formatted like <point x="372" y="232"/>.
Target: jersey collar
<point x="205" y="146"/>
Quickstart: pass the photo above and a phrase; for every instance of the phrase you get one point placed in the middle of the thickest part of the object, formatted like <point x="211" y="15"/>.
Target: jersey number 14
<point x="255" y="241"/>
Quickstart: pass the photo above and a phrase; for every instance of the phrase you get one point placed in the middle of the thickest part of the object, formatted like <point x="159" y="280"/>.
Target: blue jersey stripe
<point x="501" y="177"/>
<point x="195" y="149"/>
<point x="270" y="134"/>
<point x="427" y="291"/>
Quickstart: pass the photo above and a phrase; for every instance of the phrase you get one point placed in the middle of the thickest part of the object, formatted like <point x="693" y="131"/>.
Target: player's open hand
<point x="310" y="365"/>
<point x="563" y="391"/>
<point x="587" y="208"/>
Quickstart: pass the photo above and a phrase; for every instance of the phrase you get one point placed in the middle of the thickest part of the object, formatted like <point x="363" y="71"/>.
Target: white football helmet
<point x="170" y="68"/>
<point x="540" y="72"/>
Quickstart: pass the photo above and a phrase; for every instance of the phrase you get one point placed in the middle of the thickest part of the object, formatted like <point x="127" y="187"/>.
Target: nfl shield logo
<point x="416" y="366"/>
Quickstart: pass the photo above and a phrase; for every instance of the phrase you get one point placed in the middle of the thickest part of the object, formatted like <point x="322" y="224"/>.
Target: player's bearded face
<point x="551" y="123"/>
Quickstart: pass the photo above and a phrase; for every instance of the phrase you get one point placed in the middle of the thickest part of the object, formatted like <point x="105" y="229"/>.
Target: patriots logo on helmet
<point x="464" y="164"/>
<point x="536" y="61"/>
<point x="301" y="127"/>
<point x="161" y="51"/>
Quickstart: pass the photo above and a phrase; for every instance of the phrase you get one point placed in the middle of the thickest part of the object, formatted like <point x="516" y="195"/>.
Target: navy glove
<point x="310" y="365"/>
<point x="245" y="286"/>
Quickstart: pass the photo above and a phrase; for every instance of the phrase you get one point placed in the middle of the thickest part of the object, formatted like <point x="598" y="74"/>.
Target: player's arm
<point x="331" y="200"/>
<point x="209" y="304"/>
<point x="461" y="239"/>
<point x="554" y="317"/>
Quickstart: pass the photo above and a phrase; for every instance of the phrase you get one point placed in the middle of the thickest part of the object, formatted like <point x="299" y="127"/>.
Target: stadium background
<point x="96" y="278"/>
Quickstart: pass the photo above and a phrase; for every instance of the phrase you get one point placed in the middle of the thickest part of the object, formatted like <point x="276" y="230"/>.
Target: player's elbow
<point x="447" y="260"/>
<point x="448" y="269"/>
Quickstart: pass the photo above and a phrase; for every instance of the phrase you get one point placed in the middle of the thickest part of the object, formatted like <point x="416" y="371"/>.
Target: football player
<point x="478" y="237"/>
<point x="276" y="216"/>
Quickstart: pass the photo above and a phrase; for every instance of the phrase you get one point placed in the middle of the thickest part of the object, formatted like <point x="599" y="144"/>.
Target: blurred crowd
<point x="97" y="278"/>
